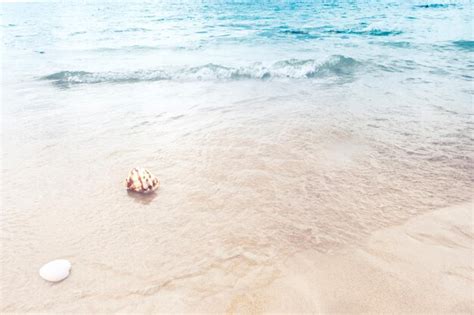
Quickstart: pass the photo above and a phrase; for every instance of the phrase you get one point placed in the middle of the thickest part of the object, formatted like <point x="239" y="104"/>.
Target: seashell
<point x="55" y="270"/>
<point x="142" y="181"/>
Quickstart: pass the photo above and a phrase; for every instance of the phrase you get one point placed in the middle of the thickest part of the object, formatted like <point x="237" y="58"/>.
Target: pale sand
<point x="423" y="266"/>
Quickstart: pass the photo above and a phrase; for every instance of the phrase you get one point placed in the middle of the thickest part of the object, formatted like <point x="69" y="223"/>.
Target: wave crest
<point x="371" y="32"/>
<point x="434" y="6"/>
<point x="336" y="66"/>
<point x="464" y="44"/>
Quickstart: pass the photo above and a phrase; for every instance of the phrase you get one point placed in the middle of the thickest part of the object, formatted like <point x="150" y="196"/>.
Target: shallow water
<point x="274" y="128"/>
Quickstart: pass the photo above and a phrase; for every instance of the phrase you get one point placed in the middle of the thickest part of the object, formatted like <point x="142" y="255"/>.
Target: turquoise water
<point x="106" y="42"/>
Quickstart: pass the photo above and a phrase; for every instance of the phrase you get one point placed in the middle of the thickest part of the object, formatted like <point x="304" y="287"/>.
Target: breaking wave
<point x="336" y="66"/>
<point x="434" y="6"/>
<point x="464" y="44"/>
<point x="372" y="32"/>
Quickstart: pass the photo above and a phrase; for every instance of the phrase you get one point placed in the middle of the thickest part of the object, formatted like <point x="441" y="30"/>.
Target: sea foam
<point x="336" y="65"/>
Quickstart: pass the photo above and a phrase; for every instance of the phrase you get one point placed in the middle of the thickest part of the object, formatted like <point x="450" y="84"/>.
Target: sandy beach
<point x="422" y="266"/>
<point x="312" y="157"/>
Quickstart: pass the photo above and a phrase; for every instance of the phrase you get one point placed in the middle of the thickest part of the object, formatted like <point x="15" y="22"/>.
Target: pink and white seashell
<point x="142" y="181"/>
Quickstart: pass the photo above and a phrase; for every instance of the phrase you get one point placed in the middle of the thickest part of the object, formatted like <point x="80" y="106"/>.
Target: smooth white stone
<point x="55" y="270"/>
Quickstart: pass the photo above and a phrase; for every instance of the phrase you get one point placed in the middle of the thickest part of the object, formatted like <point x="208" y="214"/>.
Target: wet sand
<point x="423" y="266"/>
<point x="270" y="175"/>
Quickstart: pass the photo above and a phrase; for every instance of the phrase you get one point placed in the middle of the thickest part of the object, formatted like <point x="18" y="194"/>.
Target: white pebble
<point x="55" y="270"/>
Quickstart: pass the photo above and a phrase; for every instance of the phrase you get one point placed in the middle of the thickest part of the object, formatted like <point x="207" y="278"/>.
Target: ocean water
<point x="274" y="126"/>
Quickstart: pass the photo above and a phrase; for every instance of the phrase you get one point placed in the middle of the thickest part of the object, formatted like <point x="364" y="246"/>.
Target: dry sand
<point x="423" y="266"/>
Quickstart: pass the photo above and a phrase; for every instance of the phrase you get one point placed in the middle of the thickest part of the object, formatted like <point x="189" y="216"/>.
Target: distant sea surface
<point x="275" y="127"/>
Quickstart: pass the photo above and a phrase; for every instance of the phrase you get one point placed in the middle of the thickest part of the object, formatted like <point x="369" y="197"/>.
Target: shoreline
<point x="423" y="265"/>
<point x="305" y="151"/>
